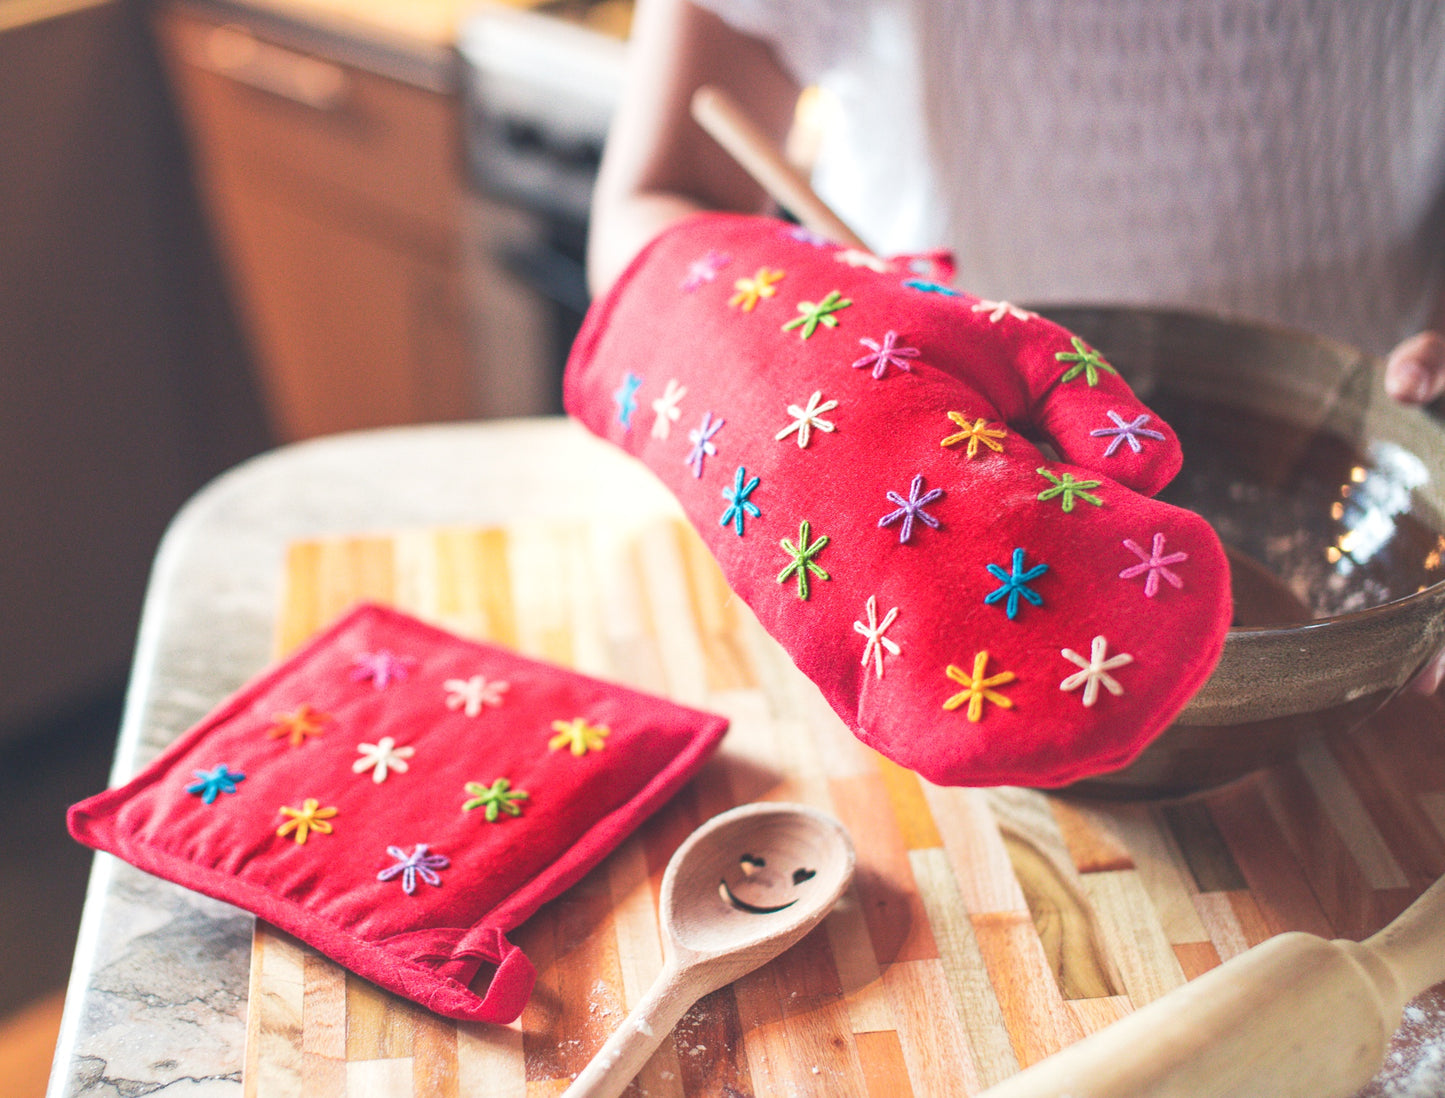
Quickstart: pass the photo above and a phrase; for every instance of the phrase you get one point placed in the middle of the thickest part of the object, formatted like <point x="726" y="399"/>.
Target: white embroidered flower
<point x="469" y="695"/>
<point x="874" y="631"/>
<point x="1094" y="670"/>
<point x="806" y="419"/>
<point x="856" y="257"/>
<point x="381" y="758"/>
<point x="666" y="407"/>
<point x="997" y="310"/>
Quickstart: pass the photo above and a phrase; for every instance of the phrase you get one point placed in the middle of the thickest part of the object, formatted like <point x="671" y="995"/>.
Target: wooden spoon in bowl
<point x="740" y="890"/>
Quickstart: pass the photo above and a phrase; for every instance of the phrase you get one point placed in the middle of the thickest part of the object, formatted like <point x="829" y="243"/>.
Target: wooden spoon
<point x="740" y="890"/>
<point x="717" y="113"/>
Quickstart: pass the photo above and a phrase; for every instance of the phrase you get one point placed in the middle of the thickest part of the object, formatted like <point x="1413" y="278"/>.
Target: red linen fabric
<point x="512" y="798"/>
<point x="861" y="448"/>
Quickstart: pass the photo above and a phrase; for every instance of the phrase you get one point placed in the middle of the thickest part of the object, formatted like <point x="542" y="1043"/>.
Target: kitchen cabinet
<point x="335" y="191"/>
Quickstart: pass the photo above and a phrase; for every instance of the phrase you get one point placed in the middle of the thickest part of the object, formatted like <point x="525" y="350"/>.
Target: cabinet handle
<point x="235" y="53"/>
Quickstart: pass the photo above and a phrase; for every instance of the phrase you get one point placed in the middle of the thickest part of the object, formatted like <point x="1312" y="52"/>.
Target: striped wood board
<point x="985" y="929"/>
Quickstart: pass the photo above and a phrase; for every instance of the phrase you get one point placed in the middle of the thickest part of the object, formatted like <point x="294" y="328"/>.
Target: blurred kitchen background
<point x="227" y="225"/>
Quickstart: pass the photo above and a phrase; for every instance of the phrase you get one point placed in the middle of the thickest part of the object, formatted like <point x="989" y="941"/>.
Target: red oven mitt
<point x="399" y="798"/>
<point x="855" y="443"/>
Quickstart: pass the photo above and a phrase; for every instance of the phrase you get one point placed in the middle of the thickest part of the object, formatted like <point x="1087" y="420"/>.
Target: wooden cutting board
<point x="985" y="930"/>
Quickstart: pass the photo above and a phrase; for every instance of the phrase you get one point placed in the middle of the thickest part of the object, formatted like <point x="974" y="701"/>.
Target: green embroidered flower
<point x="810" y="315"/>
<point x="802" y="562"/>
<point x="1085" y="361"/>
<point x="499" y="797"/>
<point x="1068" y="489"/>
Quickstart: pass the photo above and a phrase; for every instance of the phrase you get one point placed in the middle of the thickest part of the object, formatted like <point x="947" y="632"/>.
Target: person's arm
<point x="659" y="165"/>
<point x="1415" y="369"/>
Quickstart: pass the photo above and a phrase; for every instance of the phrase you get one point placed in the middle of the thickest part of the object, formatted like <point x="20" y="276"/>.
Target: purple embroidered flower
<point x="626" y="399"/>
<point x="1015" y="584"/>
<point x="1125" y="432"/>
<point x="382" y="668"/>
<point x="886" y="354"/>
<point x="418" y="863"/>
<point x="808" y="236"/>
<point x="209" y="784"/>
<point x="1155" y="564"/>
<point x="704" y="270"/>
<point x="911" y="508"/>
<point x="702" y="443"/>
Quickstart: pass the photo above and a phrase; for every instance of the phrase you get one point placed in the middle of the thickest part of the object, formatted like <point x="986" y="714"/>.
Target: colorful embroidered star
<point x="876" y="642"/>
<point x="469" y="695"/>
<point x="498" y="797"/>
<point x="1155" y="564"/>
<point x="1123" y="432"/>
<point x="738" y="502"/>
<point x="304" y="722"/>
<point x="808" y="418"/>
<point x="666" y="407"/>
<point x="1085" y="361"/>
<point x="997" y="310"/>
<point x="381" y="668"/>
<point x="626" y="399"/>
<point x="1068" y="489"/>
<point x="578" y="736"/>
<point x="1094" y="670"/>
<point x="811" y="314"/>
<point x="930" y="287"/>
<point x="381" y="758"/>
<point x="981" y="431"/>
<point x="702" y="443"/>
<point x="704" y="270"/>
<point x="977" y="689"/>
<point x="911" y="508"/>
<point x="752" y="290"/>
<point x="419" y="863"/>
<point x="306" y="819"/>
<point x="210" y="784"/>
<point x="802" y="562"/>
<point x="885" y="354"/>
<point x="856" y="257"/>
<point x="1015" y="584"/>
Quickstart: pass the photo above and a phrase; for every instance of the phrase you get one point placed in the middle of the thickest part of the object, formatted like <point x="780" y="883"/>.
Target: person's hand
<point x="1415" y="369"/>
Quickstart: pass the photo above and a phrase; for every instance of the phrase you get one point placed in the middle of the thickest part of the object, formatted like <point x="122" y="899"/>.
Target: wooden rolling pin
<point x="1294" y="1017"/>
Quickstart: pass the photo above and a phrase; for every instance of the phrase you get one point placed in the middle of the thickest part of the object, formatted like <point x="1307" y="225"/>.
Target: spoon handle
<point x="632" y="1045"/>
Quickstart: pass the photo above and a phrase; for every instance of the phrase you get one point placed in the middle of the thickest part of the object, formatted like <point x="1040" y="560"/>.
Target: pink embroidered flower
<point x="885" y="354"/>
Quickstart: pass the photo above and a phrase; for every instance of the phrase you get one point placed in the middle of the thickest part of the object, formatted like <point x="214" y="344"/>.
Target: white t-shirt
<point x="1275" y="159"/>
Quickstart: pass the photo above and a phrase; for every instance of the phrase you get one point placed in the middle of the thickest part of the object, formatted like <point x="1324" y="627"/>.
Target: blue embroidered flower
<point x="911" y="508"/>
<point x="738" y="501"/>
<point x="411" y="866"/>
<point x="930" y="287"/>
<point x="210" y="784"/>
<point x="626" y="399"/>
<point x="1015" y="584"/>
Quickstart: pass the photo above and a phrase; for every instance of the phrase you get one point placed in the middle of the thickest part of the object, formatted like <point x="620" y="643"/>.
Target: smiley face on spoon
<point x="760" y="888"/>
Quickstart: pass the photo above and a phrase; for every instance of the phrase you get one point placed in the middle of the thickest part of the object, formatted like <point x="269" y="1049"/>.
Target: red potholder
<point x="854" y="443"/>
<point x="399" y="798"/>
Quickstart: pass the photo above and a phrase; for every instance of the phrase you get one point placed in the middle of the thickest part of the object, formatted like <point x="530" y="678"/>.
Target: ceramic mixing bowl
<point x="1329" y="497"/>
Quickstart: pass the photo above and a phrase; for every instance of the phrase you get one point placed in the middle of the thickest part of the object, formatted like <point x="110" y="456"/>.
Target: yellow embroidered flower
<point x="976" y="688"/>
<point x="981" y="431"/>
<point x="306" y="819"/>
<point x="578" y="736"/>
<point x="752" y="290"/>
<point x="299" y="725"/>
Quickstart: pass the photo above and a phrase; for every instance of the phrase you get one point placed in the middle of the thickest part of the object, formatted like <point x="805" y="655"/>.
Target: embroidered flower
<point x="304" y="722"/>
<point x="876" y="642"/>
<point x="977" y="688"/>
<point x="752" y="290"/>
<point x="738" y="502"/>
<point x="802" y="562"/>
<point x="419" y="863"/>
<point x="804" y="235"/>
<point x="578" y="736"/>
<point x="702" y="443"/>
<point x="666" y="407"/>
<point x="1085" y="361"/>
<point x="704" y="270"/>
<point x="306" y="819"/>
<point x="911" y="508"/>
<point x="811" y="314"/>
<point x="381" y="668"/>
<point x="808" y="418"/>
<point x="1154" y="565"/>
<point x="980" y="432"/>
<point x="930" y="287"/>
<point x="1068" y="489"/>
<point x="856" y="257"/>
<point x="469" y="695"/>
<point x="626" y="399"/>
<point x="381" y="758"/>
<point x="885" y="354"/>
<point x="1094" y="670"/>
<point x="210" y="784"/>
<point x="498" y="797"/>
<point x="997" y="310"/>
<point x="1122" y="432"/>
<point x="1015" y="584"/>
